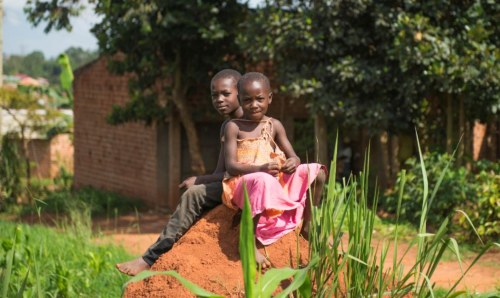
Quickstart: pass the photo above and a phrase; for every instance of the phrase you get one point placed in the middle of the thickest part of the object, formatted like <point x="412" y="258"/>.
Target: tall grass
<point x="357" y="269"/>
<point x="36" y="261"/>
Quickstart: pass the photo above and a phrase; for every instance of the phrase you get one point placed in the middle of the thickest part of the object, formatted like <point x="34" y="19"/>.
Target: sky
<point x="20" y="37"/>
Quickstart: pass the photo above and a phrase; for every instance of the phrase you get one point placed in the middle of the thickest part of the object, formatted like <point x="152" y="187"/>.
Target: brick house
<point x="146" y="162"/>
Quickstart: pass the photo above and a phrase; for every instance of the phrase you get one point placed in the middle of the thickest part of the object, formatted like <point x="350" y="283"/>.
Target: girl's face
<point x="255" y="98"/>
<point x="225" y="96"/>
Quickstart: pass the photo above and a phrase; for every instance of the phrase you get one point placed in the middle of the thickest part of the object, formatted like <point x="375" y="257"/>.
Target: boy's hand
<point x="188" y="182"/>
<point x="272" y="168"/>
<point x="290" y="165"/>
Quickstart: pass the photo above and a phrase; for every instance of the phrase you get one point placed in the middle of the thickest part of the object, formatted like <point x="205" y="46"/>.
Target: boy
<point x="203" y="192"/>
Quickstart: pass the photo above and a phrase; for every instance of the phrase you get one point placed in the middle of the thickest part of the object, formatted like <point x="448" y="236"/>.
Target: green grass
<point x="61" y="201"/>
<point x="42" y="262"/>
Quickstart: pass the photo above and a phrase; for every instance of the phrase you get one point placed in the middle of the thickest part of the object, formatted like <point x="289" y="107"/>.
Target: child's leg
<point x="260" y="259"/>
<point x="317" y="191"/>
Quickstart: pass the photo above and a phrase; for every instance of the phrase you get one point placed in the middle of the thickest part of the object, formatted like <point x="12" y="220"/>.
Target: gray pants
<point x="194" y="201"/>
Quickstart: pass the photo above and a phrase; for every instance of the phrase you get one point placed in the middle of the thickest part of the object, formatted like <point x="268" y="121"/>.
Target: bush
<point x="454" y="189"/>
<point x="484" y="208"/>
<point x="475" y="194"/>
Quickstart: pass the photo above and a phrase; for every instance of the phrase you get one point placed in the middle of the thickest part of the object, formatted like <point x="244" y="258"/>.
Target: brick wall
<point x="122" y="158"/>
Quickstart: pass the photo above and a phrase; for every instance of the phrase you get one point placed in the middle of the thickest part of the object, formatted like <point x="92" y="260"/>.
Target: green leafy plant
<point x="454" y="188"/>
<point x="482" y="211"/>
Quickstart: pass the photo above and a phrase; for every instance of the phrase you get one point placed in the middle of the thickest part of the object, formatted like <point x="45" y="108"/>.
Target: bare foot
<point x="261" y="260"/>
<point x="133" y="267"/>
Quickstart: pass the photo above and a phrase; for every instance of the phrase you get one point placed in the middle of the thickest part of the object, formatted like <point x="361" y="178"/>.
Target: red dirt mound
<point x="207" y="255"/>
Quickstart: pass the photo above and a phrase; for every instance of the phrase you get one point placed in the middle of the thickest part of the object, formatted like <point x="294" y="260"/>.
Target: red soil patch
<point x="208" y="256"/>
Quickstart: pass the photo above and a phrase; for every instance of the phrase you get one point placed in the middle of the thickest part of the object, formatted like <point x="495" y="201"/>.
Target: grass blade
<point x="471" y="224"/>
<point x="246" y="245"/>
<point x="23" y="285"/>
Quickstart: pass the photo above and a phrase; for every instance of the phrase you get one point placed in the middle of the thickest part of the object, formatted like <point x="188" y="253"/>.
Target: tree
<point x="170" y="47"/>
<point x="79" y="57"/>
<point x="381" y="65"/>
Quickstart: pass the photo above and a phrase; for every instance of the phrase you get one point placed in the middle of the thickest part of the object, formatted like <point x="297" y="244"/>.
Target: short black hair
<point x="226" y="74"/>
<point x="254" y="76"/>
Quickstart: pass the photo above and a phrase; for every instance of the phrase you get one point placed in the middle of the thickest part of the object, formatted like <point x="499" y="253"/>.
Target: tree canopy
<point x="372" y="63"/>
<point x="170" y="47"/>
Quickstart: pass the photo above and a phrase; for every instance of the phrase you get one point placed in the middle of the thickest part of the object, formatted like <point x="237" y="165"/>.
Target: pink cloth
<point x="286" y="194"/>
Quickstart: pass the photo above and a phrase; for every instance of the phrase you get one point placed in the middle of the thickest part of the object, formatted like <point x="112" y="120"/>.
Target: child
<point x="259" y="153"/>
<point x="203" y="192"/>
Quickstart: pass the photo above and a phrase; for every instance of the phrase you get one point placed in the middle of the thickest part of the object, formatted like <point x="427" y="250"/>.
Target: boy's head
<point x="224" y="92"/>
<point x="254" y="93"/>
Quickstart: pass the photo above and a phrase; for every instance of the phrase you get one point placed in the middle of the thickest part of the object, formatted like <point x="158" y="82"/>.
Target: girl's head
<point x="254" y="92"/>
<point x="224" y="92"/>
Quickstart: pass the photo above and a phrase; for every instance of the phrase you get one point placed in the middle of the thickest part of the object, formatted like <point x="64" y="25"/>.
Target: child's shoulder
<point x="277" y="125"/>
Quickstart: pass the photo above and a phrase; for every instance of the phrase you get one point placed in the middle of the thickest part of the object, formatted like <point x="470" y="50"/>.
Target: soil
<point x="208" y="255"/>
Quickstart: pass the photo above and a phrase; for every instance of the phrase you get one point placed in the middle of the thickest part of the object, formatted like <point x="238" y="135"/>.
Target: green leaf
<point x="271" y="280"/>
<point x="247" y="246"/>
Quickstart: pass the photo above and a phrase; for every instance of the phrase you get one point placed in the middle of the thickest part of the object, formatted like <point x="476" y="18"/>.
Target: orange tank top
<point x="256" y="151"/>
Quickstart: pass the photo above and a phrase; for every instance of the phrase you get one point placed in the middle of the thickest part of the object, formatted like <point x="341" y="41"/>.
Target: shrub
<point x="476" y="195"/>
<point x="483" y="209"/>
<point x="453" y="192"/>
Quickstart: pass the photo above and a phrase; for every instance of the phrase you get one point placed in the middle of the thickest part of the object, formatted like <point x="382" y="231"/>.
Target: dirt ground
<point x="208" y="256"/>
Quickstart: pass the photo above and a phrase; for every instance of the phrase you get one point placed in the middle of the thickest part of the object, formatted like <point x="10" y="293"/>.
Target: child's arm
<point x="292" y="161"/>
<point x="235" y="168"/>
<point x="216" y="176"/>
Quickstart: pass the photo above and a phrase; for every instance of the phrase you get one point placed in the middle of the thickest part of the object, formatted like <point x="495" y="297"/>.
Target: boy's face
<point x="225" y="96"/>
<point x="255" y="98"/>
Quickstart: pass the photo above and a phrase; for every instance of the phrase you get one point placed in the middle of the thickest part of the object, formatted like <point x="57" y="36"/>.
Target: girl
<point x="258" y="152"/>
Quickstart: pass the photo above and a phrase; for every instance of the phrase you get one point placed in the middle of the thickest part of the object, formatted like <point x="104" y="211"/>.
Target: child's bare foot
<point x="261" y="260"/>
<point x="133" y="267"/>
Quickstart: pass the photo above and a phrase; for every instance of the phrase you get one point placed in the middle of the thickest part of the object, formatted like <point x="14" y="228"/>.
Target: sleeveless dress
<point x="279" y="199"/>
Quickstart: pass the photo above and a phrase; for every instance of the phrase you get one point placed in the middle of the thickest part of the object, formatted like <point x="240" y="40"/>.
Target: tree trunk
<point x="321" y="139"/>
<point x="384" y="170"/>
<point x="394" y="157"/>
<point x="468" y="145"/>
<point x="449" y="124"/>
<point x="179" y="99"/>
<point x="461" y="127"/>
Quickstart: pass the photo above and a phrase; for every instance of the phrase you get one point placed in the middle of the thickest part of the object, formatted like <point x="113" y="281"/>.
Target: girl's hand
<point x="272" y="168"/>
<point x="290" y="165"/>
